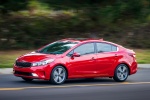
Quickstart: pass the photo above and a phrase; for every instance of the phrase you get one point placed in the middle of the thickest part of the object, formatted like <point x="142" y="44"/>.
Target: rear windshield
<point x="58" y="47"/>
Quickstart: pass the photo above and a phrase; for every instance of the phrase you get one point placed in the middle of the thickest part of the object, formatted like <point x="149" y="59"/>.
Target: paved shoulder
<point x="143" y="65"/>
<point x="6" y="70"/>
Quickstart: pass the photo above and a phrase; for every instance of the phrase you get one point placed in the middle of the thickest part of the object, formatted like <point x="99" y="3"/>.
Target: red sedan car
<point x="77" y="58"/>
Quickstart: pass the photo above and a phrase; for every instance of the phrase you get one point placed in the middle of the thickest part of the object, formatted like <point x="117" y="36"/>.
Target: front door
<point x="85" y="64"/>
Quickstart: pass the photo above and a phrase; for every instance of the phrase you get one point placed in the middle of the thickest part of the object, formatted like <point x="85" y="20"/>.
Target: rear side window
<point x="114" y="48"/>
<point x="104" y="47"/>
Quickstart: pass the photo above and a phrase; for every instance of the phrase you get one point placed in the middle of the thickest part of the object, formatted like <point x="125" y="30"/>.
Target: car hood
<point x="34" y="57"/>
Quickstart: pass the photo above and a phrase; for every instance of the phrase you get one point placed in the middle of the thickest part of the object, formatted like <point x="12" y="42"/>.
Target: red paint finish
<point x="84" y="66"/>
<point x="95" y="64"/>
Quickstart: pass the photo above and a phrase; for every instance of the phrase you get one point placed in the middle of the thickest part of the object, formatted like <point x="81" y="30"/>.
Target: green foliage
<point x="12" y="5"/>
<point x="31" y="23"/>
<point x="37" y="5"/>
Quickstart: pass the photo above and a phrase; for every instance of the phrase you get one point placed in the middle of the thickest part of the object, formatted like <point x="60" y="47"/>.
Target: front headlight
<point x="41" y="63"/>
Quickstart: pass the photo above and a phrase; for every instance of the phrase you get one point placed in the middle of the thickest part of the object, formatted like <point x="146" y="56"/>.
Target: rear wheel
<point x="58" y="75"/>
<point x="121" y="73"/>
<point x="27" y="79"/>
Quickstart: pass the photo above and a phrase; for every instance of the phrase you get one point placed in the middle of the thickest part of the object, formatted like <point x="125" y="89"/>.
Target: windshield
<point x="58" y="47"/>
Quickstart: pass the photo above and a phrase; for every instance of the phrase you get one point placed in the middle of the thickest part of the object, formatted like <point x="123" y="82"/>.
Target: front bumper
<point x="39" y="72"/>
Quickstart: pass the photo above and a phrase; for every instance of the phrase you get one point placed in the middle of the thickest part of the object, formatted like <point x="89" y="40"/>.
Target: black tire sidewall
<point x="27" y="79"/>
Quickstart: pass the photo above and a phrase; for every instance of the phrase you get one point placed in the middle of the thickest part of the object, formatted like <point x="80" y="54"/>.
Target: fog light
<point x="35" y="75"/>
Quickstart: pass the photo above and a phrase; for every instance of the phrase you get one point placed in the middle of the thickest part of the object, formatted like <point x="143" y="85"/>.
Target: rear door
<point x="106" y="58"/>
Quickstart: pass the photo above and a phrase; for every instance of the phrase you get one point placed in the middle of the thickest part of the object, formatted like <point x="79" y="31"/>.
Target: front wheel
<point x="121" y="73"/>
<point x="58" y="75"/>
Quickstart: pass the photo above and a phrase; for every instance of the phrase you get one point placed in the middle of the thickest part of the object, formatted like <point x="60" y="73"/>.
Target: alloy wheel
<point x="58" y="75"/>
<point x="121" y="73"/>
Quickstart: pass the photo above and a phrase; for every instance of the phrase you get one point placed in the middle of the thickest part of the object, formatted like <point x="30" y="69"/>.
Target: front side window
<point x="104" y="47"/>
<point x="58" y="47"/>
<point x="84" y="49"/>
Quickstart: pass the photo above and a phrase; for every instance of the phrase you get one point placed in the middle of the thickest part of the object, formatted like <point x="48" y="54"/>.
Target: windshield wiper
<point x="37" y="51"/>
<point x="45" y="52"/>
<point x="49" y="53"/>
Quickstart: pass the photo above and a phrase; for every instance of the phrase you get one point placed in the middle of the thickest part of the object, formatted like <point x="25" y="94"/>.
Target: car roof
<point x="80" y="40"/>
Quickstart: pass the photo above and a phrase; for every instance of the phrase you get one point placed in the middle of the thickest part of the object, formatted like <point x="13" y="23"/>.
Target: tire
<point x="27" y="79"/>
<point x="58" y="75"/>
<point x="121" y="73"/>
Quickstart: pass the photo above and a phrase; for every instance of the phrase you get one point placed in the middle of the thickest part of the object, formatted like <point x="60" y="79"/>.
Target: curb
<point x="6" y="70"/>
<point x="10" y="70"/>
<point x="143" y="65"/>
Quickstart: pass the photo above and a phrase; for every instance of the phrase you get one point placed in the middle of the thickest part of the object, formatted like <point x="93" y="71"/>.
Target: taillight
<point x="132" y="55"/>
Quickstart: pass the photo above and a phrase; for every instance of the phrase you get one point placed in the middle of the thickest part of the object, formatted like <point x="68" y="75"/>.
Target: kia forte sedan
<point x="77" y="58"/>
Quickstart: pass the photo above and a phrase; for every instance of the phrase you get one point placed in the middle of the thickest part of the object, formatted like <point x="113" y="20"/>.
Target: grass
<point x="143" y="56"/>
<point x="7" y="58"/>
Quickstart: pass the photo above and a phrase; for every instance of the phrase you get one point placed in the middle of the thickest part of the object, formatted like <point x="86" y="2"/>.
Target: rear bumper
<point x="134" y="68"/>
<point x="39" y="72"/>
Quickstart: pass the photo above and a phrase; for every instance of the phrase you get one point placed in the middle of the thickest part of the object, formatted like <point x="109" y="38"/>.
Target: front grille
<point x="23" y="64"/>
<point x="23" y="73"/>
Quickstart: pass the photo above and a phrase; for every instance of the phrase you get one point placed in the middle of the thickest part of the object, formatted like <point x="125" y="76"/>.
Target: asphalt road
<point x="137" y="87"/>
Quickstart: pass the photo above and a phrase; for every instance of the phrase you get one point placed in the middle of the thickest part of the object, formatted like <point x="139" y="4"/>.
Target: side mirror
<point x="75" y="54"/>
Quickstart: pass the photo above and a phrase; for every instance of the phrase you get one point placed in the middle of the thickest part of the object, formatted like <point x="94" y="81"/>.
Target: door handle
<point x="92" y="58"/>
<point x="116" y="55"/>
